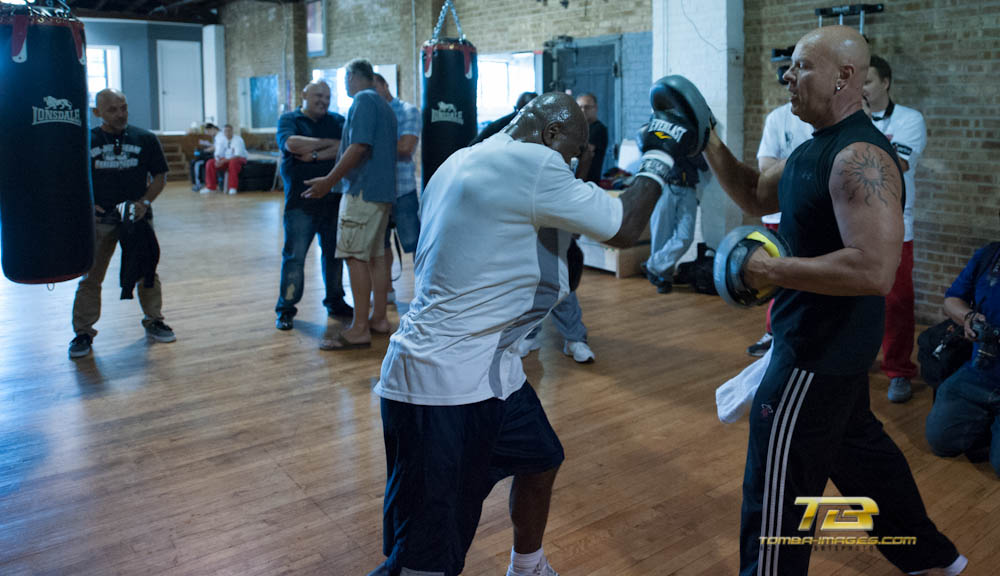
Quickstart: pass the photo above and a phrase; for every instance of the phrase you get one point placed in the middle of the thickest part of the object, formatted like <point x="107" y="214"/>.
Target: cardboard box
<point x="624" y="262"/>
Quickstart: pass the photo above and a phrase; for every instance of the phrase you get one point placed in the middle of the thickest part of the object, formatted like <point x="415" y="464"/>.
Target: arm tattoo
<point x="866" y="173"/>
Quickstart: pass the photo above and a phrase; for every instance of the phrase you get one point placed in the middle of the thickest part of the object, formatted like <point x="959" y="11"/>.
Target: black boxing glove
<point x="667" y="135"/>
<point x="680" y="95"/>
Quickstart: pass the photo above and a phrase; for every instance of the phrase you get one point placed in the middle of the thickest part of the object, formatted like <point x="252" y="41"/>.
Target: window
<point x="259" y="102"/>
<point x="315" y="28"/>
<point x="104" y="70"/>
<point x="502" y="78"/>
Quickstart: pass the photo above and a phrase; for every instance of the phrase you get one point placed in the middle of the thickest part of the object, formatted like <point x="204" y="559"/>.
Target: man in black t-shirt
<point x="309" y="140"/>
<point x="598" y="135"/>
<point x="127" y="166"/>
<point x="841" y="196"/>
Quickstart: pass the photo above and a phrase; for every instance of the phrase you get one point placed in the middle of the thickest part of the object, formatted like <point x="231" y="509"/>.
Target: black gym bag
<point x="698" y="272"/>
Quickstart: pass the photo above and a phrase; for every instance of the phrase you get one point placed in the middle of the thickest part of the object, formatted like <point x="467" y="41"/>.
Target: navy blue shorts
<point x="442" y="463"/>
<point x="406" y="220"/>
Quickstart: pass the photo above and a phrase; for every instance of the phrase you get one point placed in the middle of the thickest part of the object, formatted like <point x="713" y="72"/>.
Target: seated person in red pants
<point x="230" y="155"/>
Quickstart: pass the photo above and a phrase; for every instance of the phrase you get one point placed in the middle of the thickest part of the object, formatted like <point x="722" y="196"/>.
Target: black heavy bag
<point x="449" y="102"/>
<point x="46" y="204"/>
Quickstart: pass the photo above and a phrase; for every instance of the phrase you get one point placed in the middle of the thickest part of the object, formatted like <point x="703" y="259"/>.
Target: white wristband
<point x="660" y="155"/>
<point x="656" y="165"/>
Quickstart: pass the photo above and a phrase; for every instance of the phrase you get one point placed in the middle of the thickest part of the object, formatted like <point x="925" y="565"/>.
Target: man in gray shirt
<point x="367" y="166"/>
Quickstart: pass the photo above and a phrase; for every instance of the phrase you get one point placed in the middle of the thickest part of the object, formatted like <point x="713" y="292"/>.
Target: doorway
<point x="591" y="65"/>
<point x="179" y="84"/>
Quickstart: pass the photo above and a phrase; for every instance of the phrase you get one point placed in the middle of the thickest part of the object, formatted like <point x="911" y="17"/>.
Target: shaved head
<point x="315" y="85"/>
<point x="827" y="74"/>
<point x="112" y="108"/>
<point x="552" y="120"/>
<point x="316" y="99"/>
<point x="845" y="47"/>
<point x="107" y="95"/>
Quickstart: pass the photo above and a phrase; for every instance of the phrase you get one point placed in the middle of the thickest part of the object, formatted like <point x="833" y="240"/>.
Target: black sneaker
<point x="644" y="270"/>
<point x="760" y="347"/>
<point x="284" y="321"/>
<point x="160" y="332"/>
<point x="340" y="310"/>
<point x="663" y="285"/>
<point x="80" y="345"/>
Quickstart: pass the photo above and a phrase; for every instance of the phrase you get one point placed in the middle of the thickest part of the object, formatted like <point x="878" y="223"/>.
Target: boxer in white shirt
<point x="457" y="413"/>
<point x="906" y="131"/>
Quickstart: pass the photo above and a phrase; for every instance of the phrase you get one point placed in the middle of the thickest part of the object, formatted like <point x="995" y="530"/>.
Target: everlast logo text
<point x="56" y="110"/>
<point x="673" y="130"/>
<point x="446" y="112"/>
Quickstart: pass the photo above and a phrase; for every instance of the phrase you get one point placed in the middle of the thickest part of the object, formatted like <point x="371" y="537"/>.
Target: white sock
<point x="525" y="563"/>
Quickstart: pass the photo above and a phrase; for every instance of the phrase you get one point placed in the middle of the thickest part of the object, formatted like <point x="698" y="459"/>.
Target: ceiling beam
<point x="189" y="17"/>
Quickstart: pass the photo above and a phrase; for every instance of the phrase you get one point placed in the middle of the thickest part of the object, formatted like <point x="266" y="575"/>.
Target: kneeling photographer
<point x="966" y="411"/>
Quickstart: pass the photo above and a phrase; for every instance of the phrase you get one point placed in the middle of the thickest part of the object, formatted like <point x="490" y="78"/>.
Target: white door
<point x="179" y="74"/>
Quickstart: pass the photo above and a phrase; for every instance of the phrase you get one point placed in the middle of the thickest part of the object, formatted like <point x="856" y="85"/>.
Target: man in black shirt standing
<point x="598" y="135"/>
<point x="127" y="165"/>
<point x="841" y="195"/>
<point x="309" y="140"/>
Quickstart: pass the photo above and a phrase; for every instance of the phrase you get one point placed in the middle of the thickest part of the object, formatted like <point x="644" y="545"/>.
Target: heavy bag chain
<point x="444" y="12"/>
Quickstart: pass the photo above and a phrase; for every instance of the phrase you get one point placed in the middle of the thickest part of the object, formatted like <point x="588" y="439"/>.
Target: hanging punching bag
<point x="449" y="102"/>
<point x="46" y="204"/>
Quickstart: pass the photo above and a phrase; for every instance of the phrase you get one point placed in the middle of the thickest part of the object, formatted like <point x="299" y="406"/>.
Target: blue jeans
<point x="569" y="320"/>
<point x="300" y="228"/>
<point x="966" y="410"/>
<point x="406" y="221"/>
<point x="672" y="229"/>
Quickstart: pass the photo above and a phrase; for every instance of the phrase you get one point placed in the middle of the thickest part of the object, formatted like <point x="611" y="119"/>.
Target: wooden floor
<point x="243" y="450"/>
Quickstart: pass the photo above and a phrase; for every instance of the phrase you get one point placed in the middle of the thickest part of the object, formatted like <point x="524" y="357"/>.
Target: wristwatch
<point x="147" y="203"/>
<point x="315" y="156"/>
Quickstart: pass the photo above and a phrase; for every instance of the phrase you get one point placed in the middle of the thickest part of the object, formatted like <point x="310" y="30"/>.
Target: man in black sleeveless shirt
<point x="841" y="196"/>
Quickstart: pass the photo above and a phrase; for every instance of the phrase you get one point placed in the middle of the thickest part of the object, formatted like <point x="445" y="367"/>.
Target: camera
<point x="988" y="337"/>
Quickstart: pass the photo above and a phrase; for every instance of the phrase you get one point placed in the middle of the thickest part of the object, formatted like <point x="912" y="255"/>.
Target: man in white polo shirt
<point x="457" y="413"/>
<point x="906" y="131"/>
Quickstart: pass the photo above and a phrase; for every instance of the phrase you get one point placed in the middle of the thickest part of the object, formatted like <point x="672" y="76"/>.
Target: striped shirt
<point x="407" y="122"/>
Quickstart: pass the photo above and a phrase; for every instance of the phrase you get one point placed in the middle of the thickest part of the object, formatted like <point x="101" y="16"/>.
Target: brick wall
<point x="384" y="33"/>
<point x="256" y="34"/>
<point x="514" y="25"/>
<point x="637" y="72"/>
<point x="945" y="57"/>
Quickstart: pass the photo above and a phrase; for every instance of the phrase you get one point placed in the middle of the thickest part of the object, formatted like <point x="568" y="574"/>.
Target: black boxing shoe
<point x="340" y="310"/>
<point x="284" y="321"/>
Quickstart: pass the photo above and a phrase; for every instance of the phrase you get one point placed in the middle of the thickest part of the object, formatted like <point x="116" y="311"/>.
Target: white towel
<point x="734" y="397"/>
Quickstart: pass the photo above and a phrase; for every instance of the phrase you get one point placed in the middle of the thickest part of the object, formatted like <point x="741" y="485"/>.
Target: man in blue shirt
<point x="367" y="165"/>
<point x="404" y="217"/>
<point x="967" y="406"/>
<point x="309" y="140"/>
